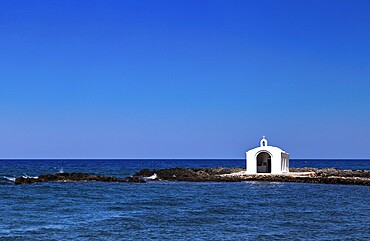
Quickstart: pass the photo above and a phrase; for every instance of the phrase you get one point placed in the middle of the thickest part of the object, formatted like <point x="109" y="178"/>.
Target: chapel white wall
<point x="279" y="159"/>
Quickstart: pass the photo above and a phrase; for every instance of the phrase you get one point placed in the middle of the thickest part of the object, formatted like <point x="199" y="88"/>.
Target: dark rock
<point x="136" y="179"/>
<point x="325" y="175"/>
<point x="145" y="173"/>
<point x="67" y="177"/>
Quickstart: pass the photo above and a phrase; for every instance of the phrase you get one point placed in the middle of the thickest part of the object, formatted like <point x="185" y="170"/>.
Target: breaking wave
<point x="11" y="179"/>
<point x="27" y="176"/>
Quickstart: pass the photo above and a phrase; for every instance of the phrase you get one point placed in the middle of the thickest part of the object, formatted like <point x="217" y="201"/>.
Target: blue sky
<point x="184" y="79"/>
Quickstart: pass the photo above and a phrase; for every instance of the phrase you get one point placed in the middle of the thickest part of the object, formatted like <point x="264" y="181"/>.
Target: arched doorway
<point x="263" y="163"/>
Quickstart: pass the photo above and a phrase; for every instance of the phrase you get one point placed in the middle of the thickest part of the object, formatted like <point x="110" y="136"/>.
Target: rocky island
<point x="264" y="163"/>
<point x="307" y="175"/>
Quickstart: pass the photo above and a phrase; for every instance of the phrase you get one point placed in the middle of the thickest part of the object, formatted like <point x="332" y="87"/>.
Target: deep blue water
<point x="178" y="210"/>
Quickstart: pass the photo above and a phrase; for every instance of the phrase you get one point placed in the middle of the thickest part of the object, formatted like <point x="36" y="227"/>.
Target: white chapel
<point x="267" y="159"/>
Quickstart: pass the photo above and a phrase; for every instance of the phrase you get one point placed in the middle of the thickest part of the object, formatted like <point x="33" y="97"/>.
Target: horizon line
<point x="84" y="158"/>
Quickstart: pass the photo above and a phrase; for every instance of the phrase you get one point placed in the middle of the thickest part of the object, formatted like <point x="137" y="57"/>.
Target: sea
<point x="178" y="210"/>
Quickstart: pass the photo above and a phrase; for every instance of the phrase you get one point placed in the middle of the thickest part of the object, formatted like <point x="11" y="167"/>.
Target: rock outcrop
<point x="75" y="177"/>
<point x="326" y="175"/>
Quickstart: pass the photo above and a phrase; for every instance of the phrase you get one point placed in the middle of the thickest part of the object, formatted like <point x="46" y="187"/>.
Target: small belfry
<point x="267" y="159"/>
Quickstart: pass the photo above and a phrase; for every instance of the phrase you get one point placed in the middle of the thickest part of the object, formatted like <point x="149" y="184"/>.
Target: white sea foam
<point x="152" y="177"/>
<point x="26" y="176"/>
<point x="12" y="179"/>
<point x="61" y="170"/>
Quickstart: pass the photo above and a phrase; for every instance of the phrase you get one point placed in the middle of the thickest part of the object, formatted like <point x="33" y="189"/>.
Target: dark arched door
<point x="263" y="163"/>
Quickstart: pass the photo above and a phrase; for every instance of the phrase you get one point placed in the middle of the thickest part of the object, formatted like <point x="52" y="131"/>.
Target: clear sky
<point x="184" y="79"/>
